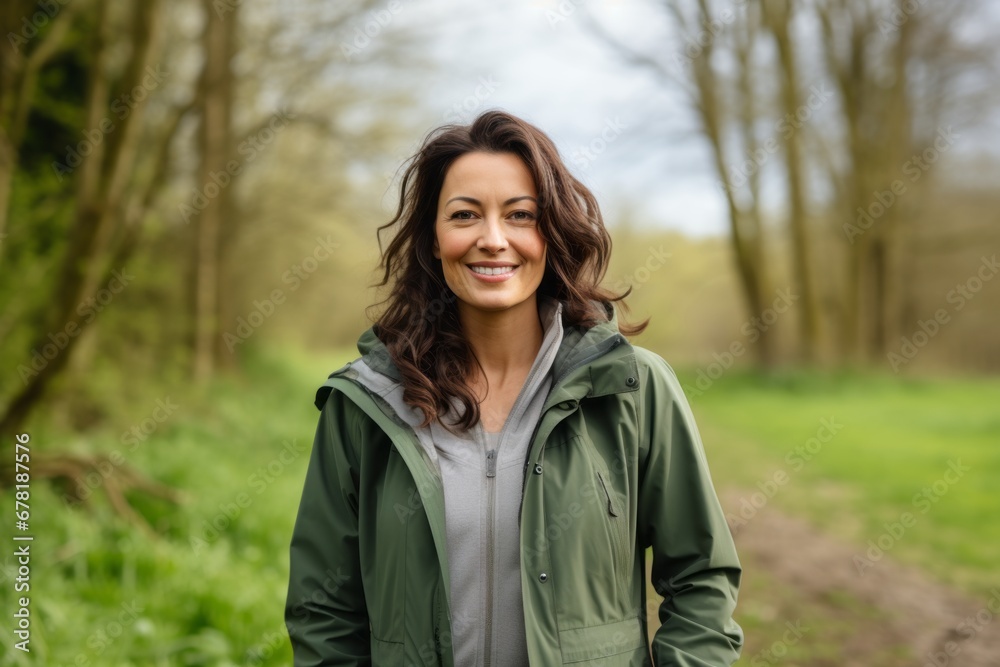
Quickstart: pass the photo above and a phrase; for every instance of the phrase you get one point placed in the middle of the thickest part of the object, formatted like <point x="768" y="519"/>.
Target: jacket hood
<point x="579" y="344"/>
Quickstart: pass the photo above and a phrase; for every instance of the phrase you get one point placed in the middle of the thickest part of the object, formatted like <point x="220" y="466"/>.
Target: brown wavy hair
<point x="420" y="325"/>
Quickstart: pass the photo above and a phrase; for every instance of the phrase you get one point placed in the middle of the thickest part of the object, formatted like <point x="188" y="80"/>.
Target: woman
<point x="488" y="474"/>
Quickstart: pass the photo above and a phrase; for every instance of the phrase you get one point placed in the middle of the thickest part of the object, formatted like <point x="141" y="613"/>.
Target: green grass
<point x="896" y="437"/>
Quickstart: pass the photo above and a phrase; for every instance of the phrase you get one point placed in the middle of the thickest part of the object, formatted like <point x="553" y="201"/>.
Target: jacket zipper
<point x="604" y="485"/>
<point x="615" y="525"/>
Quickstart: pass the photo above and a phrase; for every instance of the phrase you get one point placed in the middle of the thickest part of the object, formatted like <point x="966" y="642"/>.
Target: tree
<point x="848" y="161"/>
<point x="779" y="16"/>
<point x="726" y="108"/>
<point x="900" y="72"/>
<point x="215" y="104"/>
<point x="107" y="211"/>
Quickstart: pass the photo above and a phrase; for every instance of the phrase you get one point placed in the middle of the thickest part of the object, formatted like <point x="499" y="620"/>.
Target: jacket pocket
<point x="386" y="653"/>
<point x="618" y="526"/>
<point x="598" y="643"/>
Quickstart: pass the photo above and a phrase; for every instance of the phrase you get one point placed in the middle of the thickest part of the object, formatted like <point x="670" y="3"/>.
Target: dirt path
<point x="908" y="612"/>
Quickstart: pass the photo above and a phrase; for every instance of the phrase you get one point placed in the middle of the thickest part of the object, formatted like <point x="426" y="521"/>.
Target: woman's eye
<point x="523" y="215"/>
<point x="462" y="215"/>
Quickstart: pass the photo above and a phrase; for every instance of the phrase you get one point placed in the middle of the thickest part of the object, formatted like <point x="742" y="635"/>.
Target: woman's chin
<point x="494" y="302"/>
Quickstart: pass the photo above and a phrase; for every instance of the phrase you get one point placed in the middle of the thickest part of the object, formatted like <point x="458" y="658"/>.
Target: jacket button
<point x="543" y="577"/>
<point x="630" y="381"/>
<point x="538" y="469"/>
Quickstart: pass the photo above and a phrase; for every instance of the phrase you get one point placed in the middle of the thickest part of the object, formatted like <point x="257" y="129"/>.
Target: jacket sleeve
<point x="695" y="566"/>
<point x="325" y="611"/>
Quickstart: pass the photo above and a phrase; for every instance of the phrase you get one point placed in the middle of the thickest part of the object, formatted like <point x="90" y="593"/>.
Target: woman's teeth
<point x="493" y="271"/>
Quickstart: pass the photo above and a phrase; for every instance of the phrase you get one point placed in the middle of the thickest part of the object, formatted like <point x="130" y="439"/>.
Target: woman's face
<point x="486" y="234"/>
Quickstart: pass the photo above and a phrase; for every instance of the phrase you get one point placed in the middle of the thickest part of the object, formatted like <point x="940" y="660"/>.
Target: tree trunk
<point x="898" y="121"/>
<point x="779" y="15"/>
<point x="746" y="233"/>
<point x="215" y="142"/>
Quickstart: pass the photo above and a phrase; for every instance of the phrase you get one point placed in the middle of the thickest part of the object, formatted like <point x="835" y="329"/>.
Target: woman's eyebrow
<point x="473" y="200"/>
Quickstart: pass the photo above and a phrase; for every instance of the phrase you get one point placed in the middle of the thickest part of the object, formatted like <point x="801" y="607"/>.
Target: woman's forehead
<point x="487" y="174"/>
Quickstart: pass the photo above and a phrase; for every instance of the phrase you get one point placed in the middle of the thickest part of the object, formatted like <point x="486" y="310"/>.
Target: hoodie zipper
<point x="491" y="473"/>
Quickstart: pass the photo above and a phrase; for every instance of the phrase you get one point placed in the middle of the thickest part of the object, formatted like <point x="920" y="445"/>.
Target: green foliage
<point x="40" y="213"/>
<point x="210" y="590"/>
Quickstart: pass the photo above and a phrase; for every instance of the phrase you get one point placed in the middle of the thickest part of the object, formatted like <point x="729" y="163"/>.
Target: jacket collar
<point x="594" y="362"/>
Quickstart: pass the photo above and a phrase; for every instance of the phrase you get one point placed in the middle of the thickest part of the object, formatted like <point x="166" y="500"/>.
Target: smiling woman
<point x="489" y="473"/>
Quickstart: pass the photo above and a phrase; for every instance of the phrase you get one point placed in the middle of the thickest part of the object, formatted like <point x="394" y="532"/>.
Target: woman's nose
<point x="493" y="238"/>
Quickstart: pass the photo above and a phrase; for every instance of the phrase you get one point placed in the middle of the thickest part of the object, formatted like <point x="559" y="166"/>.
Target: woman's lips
<point x="508" y="271"/>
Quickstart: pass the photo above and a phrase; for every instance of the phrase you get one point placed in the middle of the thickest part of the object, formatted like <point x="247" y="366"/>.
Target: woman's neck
<point x="506" y="341"/>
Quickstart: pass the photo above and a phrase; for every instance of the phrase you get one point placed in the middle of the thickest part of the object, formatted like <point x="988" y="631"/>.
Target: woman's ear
<point x="436" y="250"/>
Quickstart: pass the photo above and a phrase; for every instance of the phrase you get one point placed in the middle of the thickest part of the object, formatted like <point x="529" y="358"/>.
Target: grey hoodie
<point x="482" y="474"/>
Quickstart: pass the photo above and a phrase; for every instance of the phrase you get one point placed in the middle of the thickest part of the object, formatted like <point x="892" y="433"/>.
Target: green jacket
<point x="615" y="466"/>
